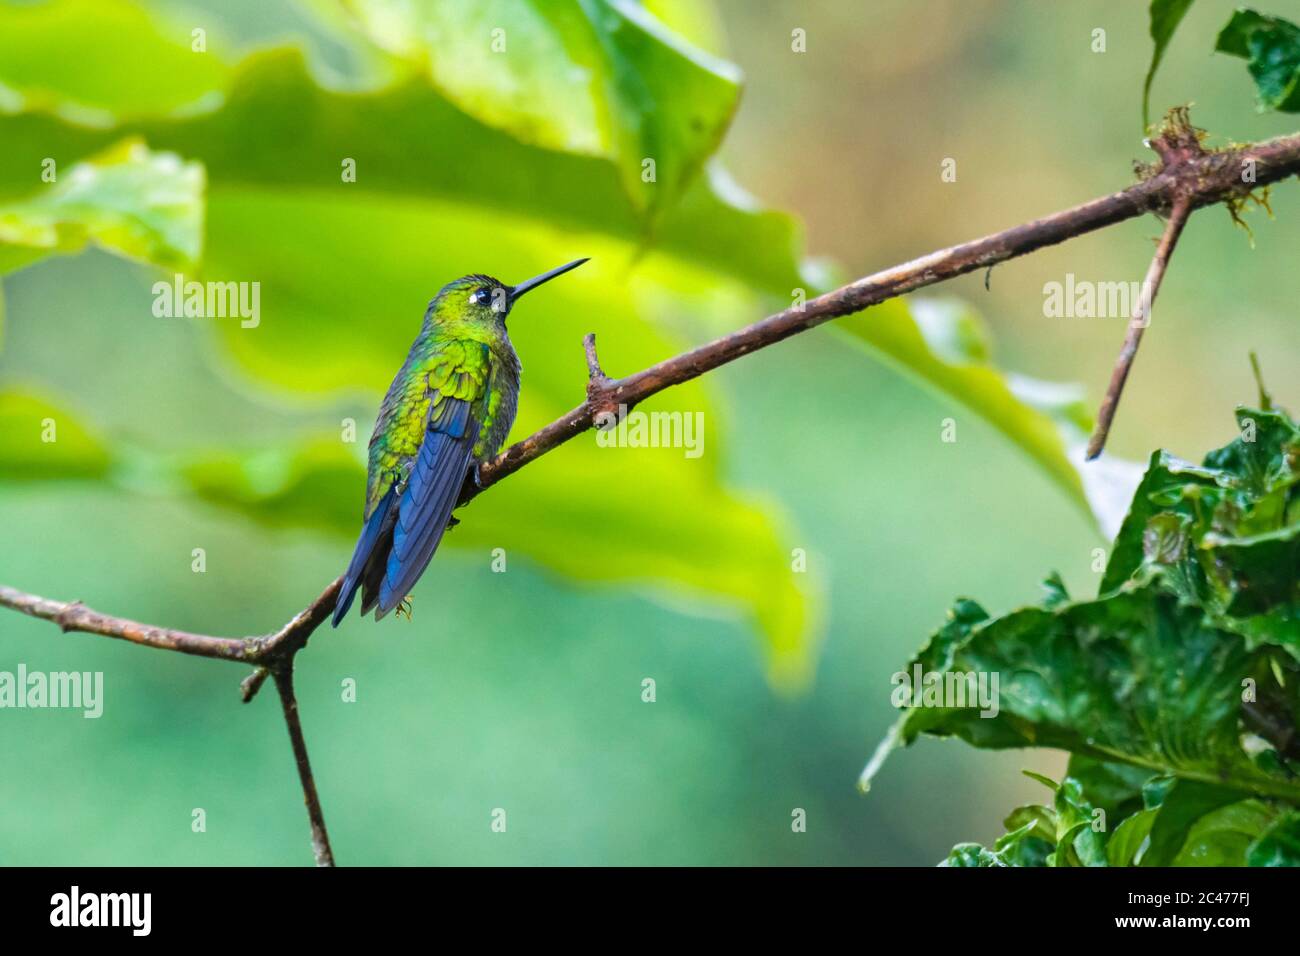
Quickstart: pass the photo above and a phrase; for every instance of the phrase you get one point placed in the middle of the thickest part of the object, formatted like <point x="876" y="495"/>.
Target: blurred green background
<point x="523" y="690"/>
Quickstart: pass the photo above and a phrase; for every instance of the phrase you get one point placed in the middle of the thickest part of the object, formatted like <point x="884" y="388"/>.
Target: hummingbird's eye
<point x="481" y="297"/>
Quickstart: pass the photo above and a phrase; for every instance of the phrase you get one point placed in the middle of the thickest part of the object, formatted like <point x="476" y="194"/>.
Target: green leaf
<point x="392" y="134"/>
<point x="407" y="225"/>
<point x="596" y="77"/>
<point x="1079" y="842"/>
<point x="1165" y="17"/>
<point x="1185" y="803"/>
<point x="1279" y="845"/>
<point x="1223" y="836"/>
<point x="140" y="204"/>
<point x="1043" y="820"/>
<point x="1222" y="534"/>
<point x="1054" y="590"/>
<point x="1136" y="677"/>
<point x="1271" y="47"/>
<point x="1066" y="834"/>
<point x="57" y="58"/>
<point x="682" y="526"/>
<point x="40" y="441"/>
<point x="1127" y="842"/>
<point x="1115" y="787"/>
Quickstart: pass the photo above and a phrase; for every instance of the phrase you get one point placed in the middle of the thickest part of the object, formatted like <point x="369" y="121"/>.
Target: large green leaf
<point x="455" y="174"/>
<point x="597" y="77"/>
<point x="1136" y="677"/>
<point x="1271" y="47"/>
<point x="391" y="134"/>
<point x="278" y="129"/>
<point x="679" y="526"/>
<point x="77" y="58"/>
<point x="141" y="204"/>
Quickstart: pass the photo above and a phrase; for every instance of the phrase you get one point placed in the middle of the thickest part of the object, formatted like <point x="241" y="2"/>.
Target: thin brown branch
<point x="272" y="653"/>
<point x="1138" y="322"/>
<point x="320" y="840"/>
<point x="1202" y="180"/>
<point x="1183" y="184"/>
<point x="264" y="650"/>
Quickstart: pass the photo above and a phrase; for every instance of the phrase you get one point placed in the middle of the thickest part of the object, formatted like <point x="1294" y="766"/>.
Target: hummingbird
<point x="448" y="410"/>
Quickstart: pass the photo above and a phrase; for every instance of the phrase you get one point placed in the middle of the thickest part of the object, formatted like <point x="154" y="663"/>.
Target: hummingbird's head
<point x="484" y="301"/>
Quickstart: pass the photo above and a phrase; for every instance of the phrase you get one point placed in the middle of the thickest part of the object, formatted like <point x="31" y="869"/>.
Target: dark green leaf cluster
<point x="1176" y="689"/>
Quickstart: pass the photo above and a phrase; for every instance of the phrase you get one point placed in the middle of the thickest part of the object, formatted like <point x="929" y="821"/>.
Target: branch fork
<point x="602" y="391"/>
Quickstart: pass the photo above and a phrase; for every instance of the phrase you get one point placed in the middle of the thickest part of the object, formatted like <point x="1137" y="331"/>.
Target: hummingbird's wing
<point x="420" y="452"/>
<point x="430" y="494"/>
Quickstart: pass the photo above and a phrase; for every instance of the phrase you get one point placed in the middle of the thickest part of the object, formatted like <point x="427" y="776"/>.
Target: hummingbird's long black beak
<point x="529" y="284"/>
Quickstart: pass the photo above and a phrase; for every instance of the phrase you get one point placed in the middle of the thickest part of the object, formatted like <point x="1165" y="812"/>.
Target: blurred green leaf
<point x="1165" y="17"/>
<point x="388" y="133"/>
<point x="42" y="442"/>
<point x="595" y="77"/>
<point x="140" y="204"/>
<point x="56" y="58"/>
<point x="1271" y="47"/>
<point x="409" y="143"/>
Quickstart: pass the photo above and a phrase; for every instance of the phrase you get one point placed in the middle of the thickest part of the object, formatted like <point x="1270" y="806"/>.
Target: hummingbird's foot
<point x="452" y="522"/>
<point x="403" y="608"/>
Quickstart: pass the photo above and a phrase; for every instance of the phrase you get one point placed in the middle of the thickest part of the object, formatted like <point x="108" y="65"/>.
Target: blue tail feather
<point x="371" y="535"/>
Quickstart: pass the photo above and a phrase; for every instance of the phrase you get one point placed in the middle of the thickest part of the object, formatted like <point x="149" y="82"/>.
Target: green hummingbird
<point x="449" y="409"/>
